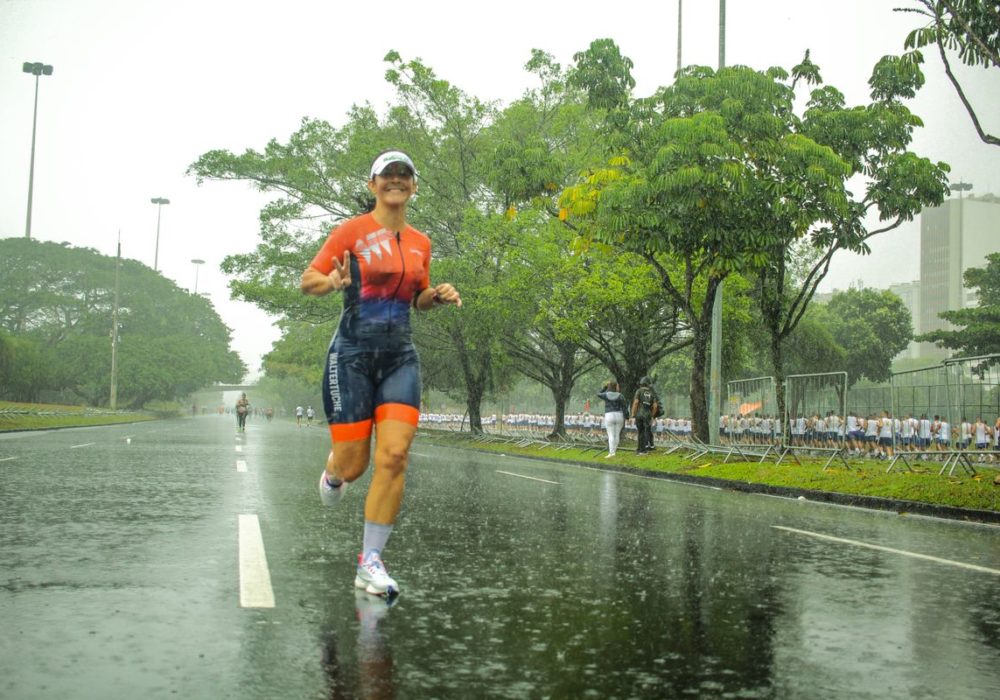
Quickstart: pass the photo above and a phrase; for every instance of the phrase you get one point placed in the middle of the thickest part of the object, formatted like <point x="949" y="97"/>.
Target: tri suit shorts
<point x="369" y="378"/>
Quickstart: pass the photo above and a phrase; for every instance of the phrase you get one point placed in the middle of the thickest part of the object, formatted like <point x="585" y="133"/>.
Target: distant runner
<point x="242" y="409"/>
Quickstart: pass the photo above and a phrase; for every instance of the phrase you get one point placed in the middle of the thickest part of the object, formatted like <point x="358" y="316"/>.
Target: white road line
<point x="856" y="543"/>
<point x="522" y="476"/>
<point x="86" y="444"/>
<point x="6" y="459"/>
<point x="419" y="454"/>
<point x="255" y="579"/>
<point x="241" y="465"/>
<point x="239" y="448"/>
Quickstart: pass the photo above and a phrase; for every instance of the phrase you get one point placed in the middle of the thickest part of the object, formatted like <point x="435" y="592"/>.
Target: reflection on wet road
<point x="121" y="578"/>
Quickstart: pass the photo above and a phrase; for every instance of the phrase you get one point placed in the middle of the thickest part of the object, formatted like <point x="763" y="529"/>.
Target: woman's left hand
<point x="445" y="293"/>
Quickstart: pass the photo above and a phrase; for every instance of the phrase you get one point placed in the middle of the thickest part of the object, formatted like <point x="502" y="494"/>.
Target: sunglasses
<point x="397" y="170"/>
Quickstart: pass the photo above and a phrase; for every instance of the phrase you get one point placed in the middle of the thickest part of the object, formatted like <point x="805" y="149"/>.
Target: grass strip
<point x="866" y="478"/>
<point x="33" y="416"/>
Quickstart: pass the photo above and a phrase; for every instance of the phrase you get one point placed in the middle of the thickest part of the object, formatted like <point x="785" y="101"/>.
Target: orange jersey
<point x="388" y="269"/>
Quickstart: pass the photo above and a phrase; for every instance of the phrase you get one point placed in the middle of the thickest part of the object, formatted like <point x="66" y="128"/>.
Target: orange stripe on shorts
<point x="345" y="432"/>
<point x="397" y="411"/>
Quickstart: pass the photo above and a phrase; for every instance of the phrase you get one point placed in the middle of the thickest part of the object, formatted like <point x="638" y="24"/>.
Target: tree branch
<point x="987" y="138"/>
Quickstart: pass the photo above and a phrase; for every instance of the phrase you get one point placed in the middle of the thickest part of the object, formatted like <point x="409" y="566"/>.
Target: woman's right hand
<point x="318" y="283"/>
<point x="340" y="277"/>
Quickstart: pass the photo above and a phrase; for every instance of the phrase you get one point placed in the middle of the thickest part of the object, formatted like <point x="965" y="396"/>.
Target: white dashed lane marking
<point x="241" y="465"/>
<point x="522" y="476"/>
<point x="880" y="548"/>
<point x="86" y="444"/>
<point x="255" y="579"/>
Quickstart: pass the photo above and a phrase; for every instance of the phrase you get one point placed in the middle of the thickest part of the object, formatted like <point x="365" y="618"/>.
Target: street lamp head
<point x="37" y="68"/>
<point x="160" y="200"/>
<point x="196" y="261"/>
<point x="960" y="186"/>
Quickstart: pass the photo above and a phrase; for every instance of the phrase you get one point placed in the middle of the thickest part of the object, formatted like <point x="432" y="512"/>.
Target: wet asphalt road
<point x="120" y="577"/>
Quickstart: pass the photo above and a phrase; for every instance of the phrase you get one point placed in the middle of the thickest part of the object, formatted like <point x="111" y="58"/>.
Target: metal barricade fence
<point x="973" y="388"/>
<point x="808" y="395"/>
<point x="919" y="392"/>
<point x="869" y="400"/>
<point x="751" y="405"/>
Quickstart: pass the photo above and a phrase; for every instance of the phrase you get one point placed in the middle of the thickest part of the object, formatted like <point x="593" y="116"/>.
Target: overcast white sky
<point x="141" y="88"/>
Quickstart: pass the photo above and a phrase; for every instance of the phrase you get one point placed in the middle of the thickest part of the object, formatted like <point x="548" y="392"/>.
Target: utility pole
<point x="715" y="361"/>
<point x="680" y="31"/>
<point x="114" y="332"/>
<point x="159" y="202"/>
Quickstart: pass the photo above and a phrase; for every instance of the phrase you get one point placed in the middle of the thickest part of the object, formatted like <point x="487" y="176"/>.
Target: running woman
<point x="371" y="378"/>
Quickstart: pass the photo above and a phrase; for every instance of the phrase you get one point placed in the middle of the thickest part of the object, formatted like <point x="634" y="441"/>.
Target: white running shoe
<point x="329" y="494"/>
<point x="373" y="577"/>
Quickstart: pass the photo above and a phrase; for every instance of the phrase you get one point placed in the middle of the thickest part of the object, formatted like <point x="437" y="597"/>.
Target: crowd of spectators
<point x="541" y="424"/>
<point x="875" y="435"/>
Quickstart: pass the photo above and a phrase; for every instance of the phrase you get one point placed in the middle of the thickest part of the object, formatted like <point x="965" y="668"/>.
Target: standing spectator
<point x="614" y="414"/>
<point x="644" y="406"/>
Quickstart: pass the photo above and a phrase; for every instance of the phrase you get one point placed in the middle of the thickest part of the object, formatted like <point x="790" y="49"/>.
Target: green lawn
<point x="867" y="478"/>
<point x="31" y="416"/>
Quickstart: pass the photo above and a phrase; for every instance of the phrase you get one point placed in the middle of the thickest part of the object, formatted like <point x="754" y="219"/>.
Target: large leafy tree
<point x="969" y="27"/>
<point x="871" y="141"/>
<point x="977" y="328"/>
<point x="56" y="303"/>
<point x="576" y="297"/>
<point x="705" y="178"/>
<point x="319" y="177"/>
<point x="871" y="326"/>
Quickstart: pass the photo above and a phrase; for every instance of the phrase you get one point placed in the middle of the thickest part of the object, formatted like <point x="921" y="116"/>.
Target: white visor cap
<point x="388" y="158"/>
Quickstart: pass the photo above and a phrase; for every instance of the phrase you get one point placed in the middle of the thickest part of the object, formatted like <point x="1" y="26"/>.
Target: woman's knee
<point x="348" y="463"/>
<point x="392" y="458"/>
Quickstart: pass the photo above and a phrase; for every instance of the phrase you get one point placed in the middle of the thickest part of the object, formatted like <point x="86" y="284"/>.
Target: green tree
<point x="56" y="302"/>
<point x="977" y="328"/>
<point x="321" y="173"/>
<point x="871" y="325"/>
<point x="872" y="141"/>
<point x="710" y="176"/>
<point x="970" y="27"/>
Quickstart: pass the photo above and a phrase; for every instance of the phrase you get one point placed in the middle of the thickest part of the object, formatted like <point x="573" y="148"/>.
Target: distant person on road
<point x="371" y="377"/>
<point x="298" y="416"/>
<point x="242" y="409"/>
<point x="645" y="405"/>
<point x="614" y="414"/>
<point x="310" y="415"/>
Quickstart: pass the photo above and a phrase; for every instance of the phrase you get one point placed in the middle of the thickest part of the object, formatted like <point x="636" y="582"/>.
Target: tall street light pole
<point x="715" y="360"/>
<point x="197" y="264"/>
<point x="37" y="70"/>
<point x="680" y="16"/>
<point x="159" y="202"/>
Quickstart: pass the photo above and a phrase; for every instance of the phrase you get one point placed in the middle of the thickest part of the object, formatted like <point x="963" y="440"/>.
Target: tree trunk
<point x="699" y="390"/>
<point x="473" y="404"/>
<point x="778" y="366"/>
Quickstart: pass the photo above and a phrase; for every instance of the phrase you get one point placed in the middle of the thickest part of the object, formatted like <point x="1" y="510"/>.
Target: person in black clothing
<point x="614" y="414"/>
<point x="645" y="405"/>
